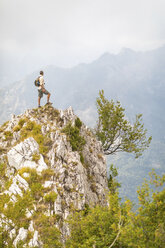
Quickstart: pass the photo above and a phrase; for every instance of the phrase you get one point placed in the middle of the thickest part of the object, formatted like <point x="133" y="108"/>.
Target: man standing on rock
<point x="42" y="90"/>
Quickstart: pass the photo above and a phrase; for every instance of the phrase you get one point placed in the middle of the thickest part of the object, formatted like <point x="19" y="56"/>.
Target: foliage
<point x="8" y="135"/>
<point x="117" y="225"/>
<point x="36" y="157"/>
<point x="22" y="122"/>
<point x="149" y="222"/>
<point x="5" y="240"/>
<point x="78" y="123"/>
<point x="47" y="174"/>
<point x="50" y="235"/>
<point x="96" y="227"/>
<point x="33" y="175"/>
<point x="20" y="125"/>
<point x="33" y="201"/>
<point x="3" y="200"/>
<point x="5" y="124"/>
<point x="113" y="184"/>
<point x="32" y="129"/>
<point x="115" y="132"/>
<point x="37" y="190"/>
<point x="50" y="197"/>
<point x="3" y="177"/>
<point x="34" y="180"/>
<point x="81" y="158"/>
<point x="2" y="150"/>
<point x="73" y="132"/>
<point x="2" y="170"/>
<point x="16" y="211"/>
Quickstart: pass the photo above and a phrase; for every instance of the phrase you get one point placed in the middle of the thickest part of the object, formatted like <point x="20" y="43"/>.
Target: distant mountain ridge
<point x="136" y="79"/>
<point x="128" y="76"/>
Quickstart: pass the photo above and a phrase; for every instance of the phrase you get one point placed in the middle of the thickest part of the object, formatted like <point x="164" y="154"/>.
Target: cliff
<point x="51" y="165"/>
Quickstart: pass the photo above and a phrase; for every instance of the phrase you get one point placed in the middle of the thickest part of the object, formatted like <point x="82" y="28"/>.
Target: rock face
<point x="53" y="165"/>
<point x="21" y="155"/>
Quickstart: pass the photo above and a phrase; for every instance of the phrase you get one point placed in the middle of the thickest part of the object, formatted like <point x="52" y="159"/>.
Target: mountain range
<point x="136" y="79"/>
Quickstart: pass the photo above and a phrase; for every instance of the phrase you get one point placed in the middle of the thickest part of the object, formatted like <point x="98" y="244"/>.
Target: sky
<point x="64" y="33"/>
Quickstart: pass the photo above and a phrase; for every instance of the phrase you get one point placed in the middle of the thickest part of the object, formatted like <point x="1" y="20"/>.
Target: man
<point x="42" y="90"/>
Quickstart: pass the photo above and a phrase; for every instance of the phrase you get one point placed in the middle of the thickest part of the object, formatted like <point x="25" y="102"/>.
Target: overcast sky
<point x="68" y="32"/>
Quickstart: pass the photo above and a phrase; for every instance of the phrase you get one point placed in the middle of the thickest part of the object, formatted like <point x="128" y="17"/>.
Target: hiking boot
<point x="39" y="106"/>
<point x="48" y="103"/>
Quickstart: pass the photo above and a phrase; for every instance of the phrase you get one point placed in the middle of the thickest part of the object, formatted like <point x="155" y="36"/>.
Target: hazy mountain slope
<point x="136" y="79"/>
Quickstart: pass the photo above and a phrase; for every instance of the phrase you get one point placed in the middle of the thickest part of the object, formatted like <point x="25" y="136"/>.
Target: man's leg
<point x="48" y="97"/>
<point x="40" y="95"/>
<point x="39" y="99"/>
<point x="44" y="91"/>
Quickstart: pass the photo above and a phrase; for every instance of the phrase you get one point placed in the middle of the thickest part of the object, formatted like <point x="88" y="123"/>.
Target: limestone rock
<point x="66" y="182"/>
<point x="21" y="155"/>
<point x="21" y="236"/>
<point x="17" y="186"/>
<point x="34" y="241"/>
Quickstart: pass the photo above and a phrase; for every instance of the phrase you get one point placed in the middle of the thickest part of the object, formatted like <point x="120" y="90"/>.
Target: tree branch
<point x="119" y="225"/>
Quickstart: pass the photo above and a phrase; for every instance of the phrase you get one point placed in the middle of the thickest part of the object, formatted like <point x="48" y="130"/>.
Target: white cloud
<point x="66" y="32"/>
<point x="88" y="116"/>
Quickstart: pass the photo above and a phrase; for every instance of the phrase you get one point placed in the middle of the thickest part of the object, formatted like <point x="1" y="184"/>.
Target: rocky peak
<point x="52" y="164"/>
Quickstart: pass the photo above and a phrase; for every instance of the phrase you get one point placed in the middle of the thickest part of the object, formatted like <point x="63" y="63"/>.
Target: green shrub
<point x="8" y="135"/>
<point x="22" y="122"/>
<point x="36" y="157"/>
<point x="50" y="235"/>
<point x="33" y="176"/>
<point x="32" y="129"/>
<point x="94" y="227"/>
<point x="81" y="158"/>
<point x="50" y="197"/>
<point x="16" y="211"/>
<point x="3" y="150"/>
<point x="37" y="190"/>
<point x="78" y="123"/>
<point x="8" y="183"/>
<point x="2" y="170"/>
<point x="20" y="125"/>
<point x="30" y="125"/>
<point x="4" y="199"/>
<point x="77" y="142"/>
<point x="47" y="174"/>
<point x="16" y="128"/>
<point x="5" y="124"/>
<point x="35" y="180"/>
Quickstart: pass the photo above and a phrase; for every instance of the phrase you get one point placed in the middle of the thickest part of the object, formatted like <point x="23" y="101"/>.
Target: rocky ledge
<point x="52" y="164"/>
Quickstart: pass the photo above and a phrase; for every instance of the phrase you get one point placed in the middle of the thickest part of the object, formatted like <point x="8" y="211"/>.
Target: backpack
<point x="37" y="82"/>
